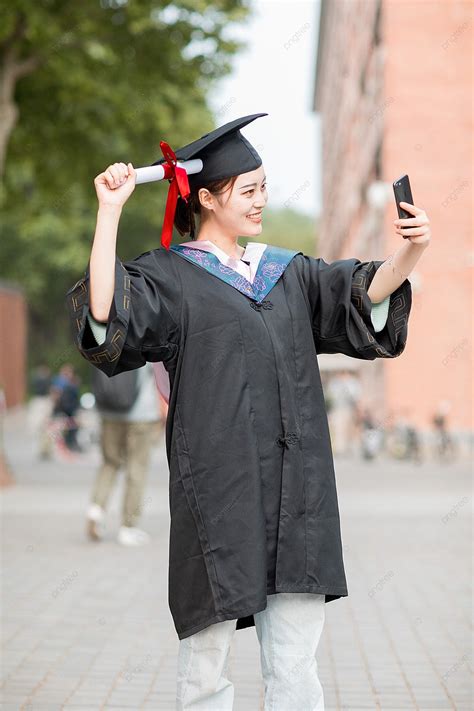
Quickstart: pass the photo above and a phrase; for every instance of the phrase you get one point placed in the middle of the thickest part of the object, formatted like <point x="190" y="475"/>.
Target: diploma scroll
<point x="156" y="172"/>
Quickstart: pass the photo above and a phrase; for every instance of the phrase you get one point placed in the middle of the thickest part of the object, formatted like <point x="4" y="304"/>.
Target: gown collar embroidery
<point x="251" y="255"/>
<point x="271" y="265"/>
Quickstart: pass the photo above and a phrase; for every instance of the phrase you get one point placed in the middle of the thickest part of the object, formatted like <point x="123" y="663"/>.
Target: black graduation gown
<point x="252" y="490"/>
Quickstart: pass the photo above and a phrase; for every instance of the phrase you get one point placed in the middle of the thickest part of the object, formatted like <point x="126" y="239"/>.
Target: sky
<point x="275" y="74"/>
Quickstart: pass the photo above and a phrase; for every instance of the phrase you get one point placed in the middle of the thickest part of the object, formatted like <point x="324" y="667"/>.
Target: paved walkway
<point x="87" y="626"/>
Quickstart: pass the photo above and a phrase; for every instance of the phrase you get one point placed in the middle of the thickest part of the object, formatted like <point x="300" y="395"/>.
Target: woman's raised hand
<point x="115" y="185"/>
<point x="417" y="228"/>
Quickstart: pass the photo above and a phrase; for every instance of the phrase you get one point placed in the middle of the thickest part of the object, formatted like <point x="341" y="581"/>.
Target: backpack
<point x="117" y="393"/>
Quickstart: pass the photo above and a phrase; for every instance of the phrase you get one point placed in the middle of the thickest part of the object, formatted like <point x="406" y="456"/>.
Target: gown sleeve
<point x="343" y="315"/>
<point x="143" y="319"/>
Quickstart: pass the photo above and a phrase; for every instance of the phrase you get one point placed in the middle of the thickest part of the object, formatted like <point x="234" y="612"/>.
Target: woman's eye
<point x="248" y="192"/>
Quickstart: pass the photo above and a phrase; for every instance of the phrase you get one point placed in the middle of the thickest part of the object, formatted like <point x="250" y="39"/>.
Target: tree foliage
<point x="83" y="85"/>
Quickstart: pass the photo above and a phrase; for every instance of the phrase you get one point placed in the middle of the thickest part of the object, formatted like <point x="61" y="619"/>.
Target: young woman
<point x="255" y="535"/>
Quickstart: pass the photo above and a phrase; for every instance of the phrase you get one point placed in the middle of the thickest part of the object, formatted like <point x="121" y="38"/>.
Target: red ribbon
<point x="179" y="185"/>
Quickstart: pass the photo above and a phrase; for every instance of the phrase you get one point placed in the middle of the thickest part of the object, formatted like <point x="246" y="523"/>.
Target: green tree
<point x="83" y="85"/>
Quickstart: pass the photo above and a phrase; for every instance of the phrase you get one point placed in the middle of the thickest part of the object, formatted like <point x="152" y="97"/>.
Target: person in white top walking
<point x="126" y="439"/>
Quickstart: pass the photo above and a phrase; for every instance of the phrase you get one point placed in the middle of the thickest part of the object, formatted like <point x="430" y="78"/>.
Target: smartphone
<point x="402" y="190"/>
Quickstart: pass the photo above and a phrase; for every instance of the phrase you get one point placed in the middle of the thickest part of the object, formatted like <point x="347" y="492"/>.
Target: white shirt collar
<point x="253" y="252"/>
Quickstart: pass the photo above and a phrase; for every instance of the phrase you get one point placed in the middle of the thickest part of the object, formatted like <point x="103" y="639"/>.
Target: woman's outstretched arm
<point x="393" y="272"/>
<point x="113" y="187"/>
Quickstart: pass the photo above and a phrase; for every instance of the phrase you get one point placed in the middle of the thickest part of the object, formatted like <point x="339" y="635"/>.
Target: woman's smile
<point x="255" y="217"/>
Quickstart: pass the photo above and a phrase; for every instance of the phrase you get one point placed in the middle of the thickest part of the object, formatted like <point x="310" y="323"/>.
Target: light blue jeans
<point x="288" y="630"/>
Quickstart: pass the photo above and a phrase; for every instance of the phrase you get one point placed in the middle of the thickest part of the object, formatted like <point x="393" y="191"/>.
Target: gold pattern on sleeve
<point x="398" y="313"/>
<point x="111" y="350"/>
<point x="126" y="292"/>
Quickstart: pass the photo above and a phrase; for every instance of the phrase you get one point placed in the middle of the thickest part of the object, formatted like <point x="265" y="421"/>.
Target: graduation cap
<point x="224" y="152"/>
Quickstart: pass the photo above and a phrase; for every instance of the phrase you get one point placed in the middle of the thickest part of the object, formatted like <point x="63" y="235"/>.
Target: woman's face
<point x="239" y="212"/>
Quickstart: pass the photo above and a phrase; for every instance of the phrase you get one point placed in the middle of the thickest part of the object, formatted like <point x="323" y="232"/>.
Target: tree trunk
<point x="12" y="68"/>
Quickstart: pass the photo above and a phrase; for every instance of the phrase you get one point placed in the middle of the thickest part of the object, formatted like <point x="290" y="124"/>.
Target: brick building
<point x="393" y="87"/>
<point x="13" y="349"/>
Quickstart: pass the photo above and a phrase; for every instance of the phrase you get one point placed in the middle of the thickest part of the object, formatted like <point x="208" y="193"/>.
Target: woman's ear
<point x="205" y="198"/>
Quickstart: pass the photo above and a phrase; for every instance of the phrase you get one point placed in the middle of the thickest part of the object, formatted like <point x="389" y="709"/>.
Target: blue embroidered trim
<point x="273" y="263"/>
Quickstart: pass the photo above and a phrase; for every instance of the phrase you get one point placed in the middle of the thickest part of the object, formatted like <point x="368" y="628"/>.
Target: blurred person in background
<point x="126" y="439"/>
<point x="40" y="407"/>
<point x="413" y="444"/>
<point x="371" y="435"/>
<point x="444" y="444"/>
<point x="66" y="403"/>
<point x="403" y="438"/>
<point x="344" y="392"/>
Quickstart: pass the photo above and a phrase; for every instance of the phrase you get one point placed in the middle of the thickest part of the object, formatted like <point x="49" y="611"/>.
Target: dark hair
<point x="185" y="211"/>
